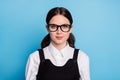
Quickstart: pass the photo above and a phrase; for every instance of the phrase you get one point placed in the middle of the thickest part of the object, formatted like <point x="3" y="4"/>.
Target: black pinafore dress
<point x="48" y="71"/>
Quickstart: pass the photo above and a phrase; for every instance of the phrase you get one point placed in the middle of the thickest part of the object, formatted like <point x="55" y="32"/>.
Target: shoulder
<point x="83" y="60"/>
<point x="34" y="54"/>
<point x="34" y="57"/>
<point x="82" y="56"/>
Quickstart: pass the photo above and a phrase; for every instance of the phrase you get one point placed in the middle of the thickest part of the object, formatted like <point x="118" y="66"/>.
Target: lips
<point x="59" y="37"/>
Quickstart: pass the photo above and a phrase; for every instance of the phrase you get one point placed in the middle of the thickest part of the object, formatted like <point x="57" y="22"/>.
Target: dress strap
<point x="41" y="65"/>
<point x="75" y="54"/>
<point x="41" y="55"/>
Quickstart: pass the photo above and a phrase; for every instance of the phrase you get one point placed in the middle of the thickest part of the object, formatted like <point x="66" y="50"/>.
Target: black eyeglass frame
<point x="60" y="27"/>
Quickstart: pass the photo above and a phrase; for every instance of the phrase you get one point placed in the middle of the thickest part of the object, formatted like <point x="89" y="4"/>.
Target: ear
<point x="71" y="29"/>
<point x="47" y="28"/>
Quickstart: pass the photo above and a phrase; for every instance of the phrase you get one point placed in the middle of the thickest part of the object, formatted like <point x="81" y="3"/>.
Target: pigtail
<point x="71" y="40"/>
<point x="46" y="41"/>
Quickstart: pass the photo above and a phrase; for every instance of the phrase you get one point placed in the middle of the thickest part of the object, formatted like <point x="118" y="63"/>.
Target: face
<point x="59" y="37"/>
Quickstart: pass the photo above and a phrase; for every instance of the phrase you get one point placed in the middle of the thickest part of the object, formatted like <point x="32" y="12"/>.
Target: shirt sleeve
<point x="83" y="64"/>
<point x="32" y="66"/>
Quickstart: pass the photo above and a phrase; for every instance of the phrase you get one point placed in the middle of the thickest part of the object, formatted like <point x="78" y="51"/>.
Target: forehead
<point x="59" y="19"/>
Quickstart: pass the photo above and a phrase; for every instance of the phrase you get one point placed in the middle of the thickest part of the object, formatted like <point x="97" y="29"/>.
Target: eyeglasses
<point x="63" y="27"/>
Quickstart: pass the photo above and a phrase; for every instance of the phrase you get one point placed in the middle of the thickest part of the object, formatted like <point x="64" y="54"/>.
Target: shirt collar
<point x="63" y="52"/>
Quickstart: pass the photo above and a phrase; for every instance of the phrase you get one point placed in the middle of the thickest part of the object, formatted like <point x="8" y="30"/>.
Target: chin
<point x="60" y="42"/>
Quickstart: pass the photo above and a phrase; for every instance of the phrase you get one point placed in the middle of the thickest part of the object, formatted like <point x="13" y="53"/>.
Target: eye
<point x="52" y="26"/>
<point x="65" y="26"/>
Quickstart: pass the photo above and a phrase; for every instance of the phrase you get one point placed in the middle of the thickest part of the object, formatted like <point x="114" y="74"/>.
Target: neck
<point x="59" y="46"/>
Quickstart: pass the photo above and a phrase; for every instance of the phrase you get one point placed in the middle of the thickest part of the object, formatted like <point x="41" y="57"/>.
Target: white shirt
<point x="58" y="58"/>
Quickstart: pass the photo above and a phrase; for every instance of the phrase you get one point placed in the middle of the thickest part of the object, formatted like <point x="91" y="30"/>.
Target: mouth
<point x="59" y="37"/>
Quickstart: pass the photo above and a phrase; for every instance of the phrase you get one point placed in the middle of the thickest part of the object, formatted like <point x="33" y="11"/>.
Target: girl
<point x="58" y="59"/>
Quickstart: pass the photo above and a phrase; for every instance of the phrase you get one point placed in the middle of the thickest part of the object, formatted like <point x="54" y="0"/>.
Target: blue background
<point x="96" y="28"/>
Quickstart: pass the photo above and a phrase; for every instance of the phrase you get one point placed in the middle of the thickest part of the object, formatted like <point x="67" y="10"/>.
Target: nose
<point x="59" y="30"/>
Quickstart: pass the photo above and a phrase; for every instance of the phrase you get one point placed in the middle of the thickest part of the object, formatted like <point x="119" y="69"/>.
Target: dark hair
<point x="62" y="11"/>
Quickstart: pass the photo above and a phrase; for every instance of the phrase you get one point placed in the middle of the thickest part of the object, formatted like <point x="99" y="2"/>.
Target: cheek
<point x="67" y="35"/>
<point x="52" y="35"/>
